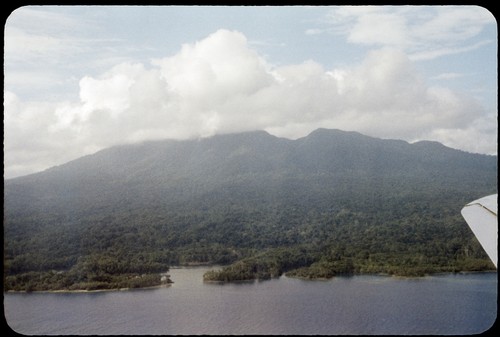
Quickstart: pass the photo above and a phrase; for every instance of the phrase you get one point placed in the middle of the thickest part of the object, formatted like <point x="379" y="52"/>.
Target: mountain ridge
<point x="194" y="167"/>
<point x="330" y="202"/>
<point x="259" y="135"/>
<point x="204" y="164"/>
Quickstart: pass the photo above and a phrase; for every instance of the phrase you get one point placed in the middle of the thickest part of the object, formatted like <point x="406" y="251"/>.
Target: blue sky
<point x="79" y="79"/>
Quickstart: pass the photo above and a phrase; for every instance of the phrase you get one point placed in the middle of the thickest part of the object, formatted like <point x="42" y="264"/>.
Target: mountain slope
<point x="211" y="162"/>
<point x="228" y="197"/>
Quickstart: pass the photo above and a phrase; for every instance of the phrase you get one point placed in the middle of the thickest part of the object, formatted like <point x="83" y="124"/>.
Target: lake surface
<point x="444" y="304"/>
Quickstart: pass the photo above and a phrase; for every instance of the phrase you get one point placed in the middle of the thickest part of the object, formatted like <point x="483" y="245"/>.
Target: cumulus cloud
<point x="220" y="85"/>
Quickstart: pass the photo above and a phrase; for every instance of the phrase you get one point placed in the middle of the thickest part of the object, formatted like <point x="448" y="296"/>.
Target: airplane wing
<point x="481" y="216"/>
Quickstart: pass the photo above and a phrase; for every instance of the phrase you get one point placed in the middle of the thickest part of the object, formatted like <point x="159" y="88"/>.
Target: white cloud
<point x="439" y="51"/>
<point x="313" y="31"/>
<point x="447" y="76"/>
<point x="109" y="93"/>
<point x="450" y="24"/>
<point x="218" y="66"/>
<point x="379" y="29"/>
<point x="46" y="49"/>
<point x="423" y="32"/>
<point x="27" y="45"/>
<point x="30" y="40"/>
<point x="481" y="135"/>
<point x="219" y="84"/>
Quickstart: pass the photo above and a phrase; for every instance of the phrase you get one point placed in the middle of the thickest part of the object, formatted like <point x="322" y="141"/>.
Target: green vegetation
<point x="93" y="272"/>
<point x="331" y="203"/>
<point x="414" y="243"/>
<point x="74" y="280"/>
<point x="263" y="266"/>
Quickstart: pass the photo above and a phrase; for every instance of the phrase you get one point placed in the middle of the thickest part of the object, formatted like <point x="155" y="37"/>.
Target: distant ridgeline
<point x="330" y="203"/>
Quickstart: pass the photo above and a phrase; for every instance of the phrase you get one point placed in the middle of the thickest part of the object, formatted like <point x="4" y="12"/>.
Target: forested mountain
<point x="327" y="203"/>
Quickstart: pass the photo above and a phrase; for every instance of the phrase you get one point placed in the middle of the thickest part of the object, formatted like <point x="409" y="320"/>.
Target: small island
<point x="96" y="272"/>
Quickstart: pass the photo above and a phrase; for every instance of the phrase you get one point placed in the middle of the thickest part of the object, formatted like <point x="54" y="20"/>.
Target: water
<point x="446" y="304"/>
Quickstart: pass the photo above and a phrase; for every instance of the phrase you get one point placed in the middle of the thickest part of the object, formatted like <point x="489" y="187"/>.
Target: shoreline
<point x="394" y="276"/>
<point x="167" y="285"/>
<point x="83" y="291"/>
<point x="323" y="279"/>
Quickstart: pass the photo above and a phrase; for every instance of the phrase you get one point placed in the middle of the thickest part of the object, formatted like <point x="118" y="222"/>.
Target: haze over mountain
<point x="253" y="156"/>
<point x="221" y="198"/>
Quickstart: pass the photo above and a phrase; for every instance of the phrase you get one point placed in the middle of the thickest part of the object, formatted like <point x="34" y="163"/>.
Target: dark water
<point x="447" y="304"/>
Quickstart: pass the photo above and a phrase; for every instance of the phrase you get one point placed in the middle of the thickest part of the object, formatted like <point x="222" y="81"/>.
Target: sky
<point x="78" y="79"/>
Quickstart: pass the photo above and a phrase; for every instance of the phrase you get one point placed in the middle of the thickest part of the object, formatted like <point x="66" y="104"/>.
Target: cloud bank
<point x="221" y="85"/>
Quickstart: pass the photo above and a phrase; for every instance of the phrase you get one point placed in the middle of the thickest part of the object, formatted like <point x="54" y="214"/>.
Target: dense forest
<point x="327" y="204"/>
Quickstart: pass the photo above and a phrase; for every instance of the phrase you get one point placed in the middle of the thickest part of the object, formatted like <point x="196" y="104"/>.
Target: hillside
<point x="330" y="202"/>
